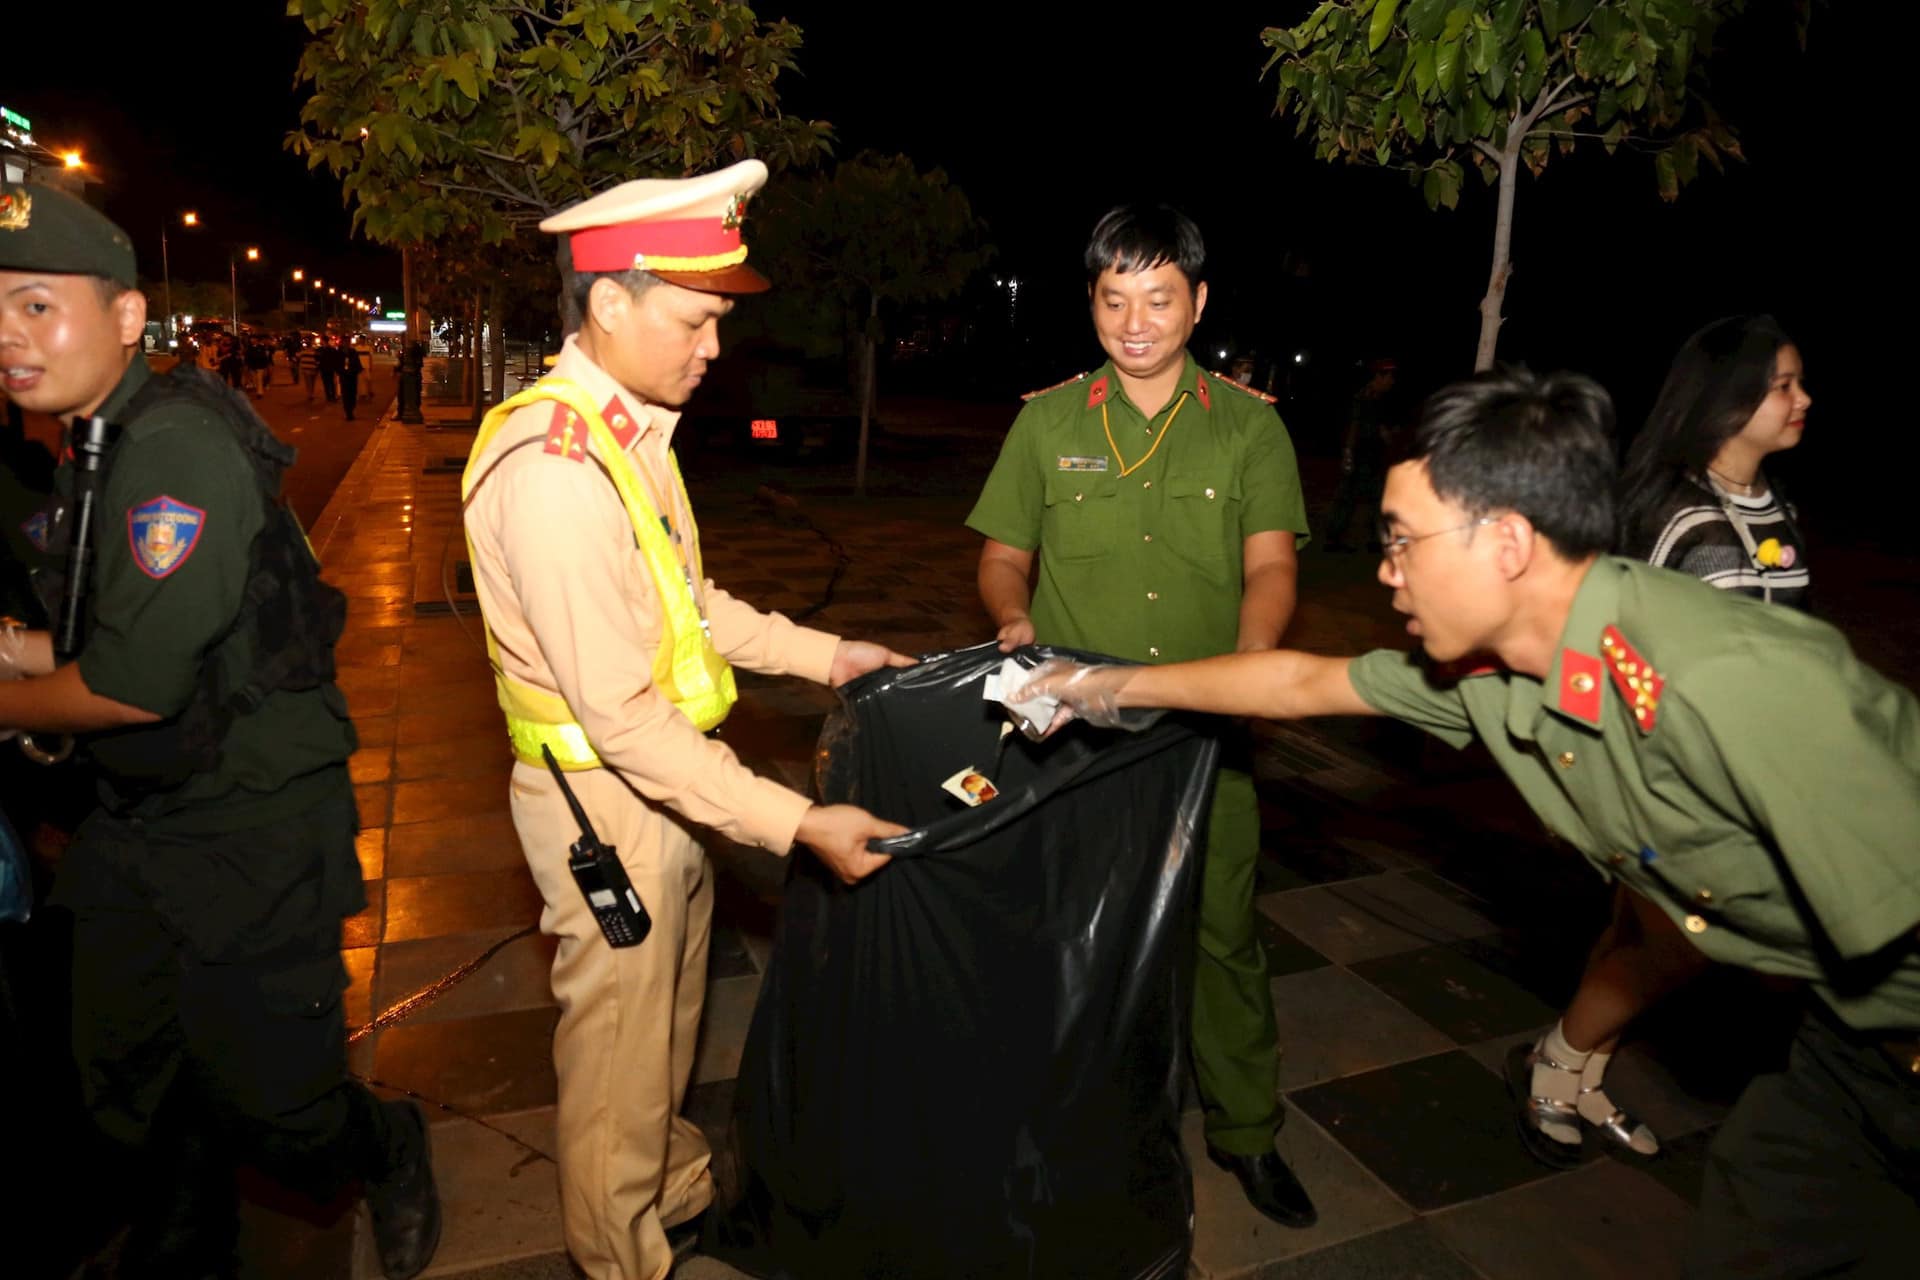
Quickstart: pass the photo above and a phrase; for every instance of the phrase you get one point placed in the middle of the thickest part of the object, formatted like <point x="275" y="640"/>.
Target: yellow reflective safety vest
<point x="687" y="669"/>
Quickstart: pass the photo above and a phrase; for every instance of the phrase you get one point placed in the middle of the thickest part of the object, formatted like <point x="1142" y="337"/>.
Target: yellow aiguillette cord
<point x="1126" y="470"/>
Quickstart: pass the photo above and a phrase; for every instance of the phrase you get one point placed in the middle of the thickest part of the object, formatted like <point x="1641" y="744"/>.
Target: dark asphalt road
<point x="327" y="442"/>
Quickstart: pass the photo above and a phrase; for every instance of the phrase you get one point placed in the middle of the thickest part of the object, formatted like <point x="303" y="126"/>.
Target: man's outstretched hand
<point x="838" y="834"/>
<point x="855" y="658"/>
<point x="1089" y="693"/>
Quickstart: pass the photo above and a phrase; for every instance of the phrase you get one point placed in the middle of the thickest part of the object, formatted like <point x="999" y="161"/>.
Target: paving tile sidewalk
<point x="1414" y="929"/>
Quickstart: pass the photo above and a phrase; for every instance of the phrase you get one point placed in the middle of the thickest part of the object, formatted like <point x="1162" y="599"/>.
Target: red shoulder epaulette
<point x="566" y="435"/>
<point x="1241" y="386"/>
<point x="618" y="421"/>
<point x="1634" y="677"/>
<point x="1078" y="377"/>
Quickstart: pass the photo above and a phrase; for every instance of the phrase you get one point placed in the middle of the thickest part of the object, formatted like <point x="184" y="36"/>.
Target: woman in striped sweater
<point x="1695" y="493"/>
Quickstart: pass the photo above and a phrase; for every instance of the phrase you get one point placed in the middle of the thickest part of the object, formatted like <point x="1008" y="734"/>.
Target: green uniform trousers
<point x="1816" y="1171"/>
<point x="1235" y="1043"/>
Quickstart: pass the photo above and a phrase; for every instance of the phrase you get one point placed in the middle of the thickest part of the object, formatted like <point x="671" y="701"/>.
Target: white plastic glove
<point x="1089" y="693"/>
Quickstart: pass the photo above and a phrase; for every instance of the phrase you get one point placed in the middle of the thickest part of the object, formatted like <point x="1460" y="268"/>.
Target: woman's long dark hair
<point x="1716" y="383"/>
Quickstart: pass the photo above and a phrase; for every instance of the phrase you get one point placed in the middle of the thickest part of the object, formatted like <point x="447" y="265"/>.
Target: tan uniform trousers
<point x="630" y="1166"/>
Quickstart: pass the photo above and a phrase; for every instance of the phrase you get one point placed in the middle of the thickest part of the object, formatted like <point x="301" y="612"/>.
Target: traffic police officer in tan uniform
<point x="1732" y="763"/>
<point x="1164" y="507"/>
<point x="613" y="651"/>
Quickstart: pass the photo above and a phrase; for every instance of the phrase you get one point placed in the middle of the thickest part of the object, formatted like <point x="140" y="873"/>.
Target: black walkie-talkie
<point x="621" y="915"/>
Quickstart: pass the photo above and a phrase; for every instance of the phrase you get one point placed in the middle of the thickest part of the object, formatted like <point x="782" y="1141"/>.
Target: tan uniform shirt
<point x="575" y="610"/>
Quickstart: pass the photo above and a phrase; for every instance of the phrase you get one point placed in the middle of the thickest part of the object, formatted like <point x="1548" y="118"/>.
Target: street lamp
<point x="71" y="159"/>
<point x="233" y="283"/>
<point x="187" y="219"/>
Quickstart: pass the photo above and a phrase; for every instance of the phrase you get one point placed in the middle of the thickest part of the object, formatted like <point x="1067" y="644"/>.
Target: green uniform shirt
<point x="1140" y="545"/>
<point x="1769" y="801"/>
<point x="178" y="513"/>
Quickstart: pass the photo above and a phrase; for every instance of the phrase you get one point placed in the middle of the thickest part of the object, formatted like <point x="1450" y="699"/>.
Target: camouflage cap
<point x="45" y="229"/>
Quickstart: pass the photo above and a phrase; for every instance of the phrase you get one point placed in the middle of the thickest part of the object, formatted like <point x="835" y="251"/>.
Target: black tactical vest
<point x="290" y="616"/>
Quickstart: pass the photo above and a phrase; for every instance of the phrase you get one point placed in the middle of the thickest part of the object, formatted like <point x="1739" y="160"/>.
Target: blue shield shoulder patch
<point x="35" y="527"/>
<point x="163" y="533"/>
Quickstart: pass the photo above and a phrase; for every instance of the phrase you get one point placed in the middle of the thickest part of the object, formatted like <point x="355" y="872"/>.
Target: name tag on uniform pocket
<point x="1070" y="462"/>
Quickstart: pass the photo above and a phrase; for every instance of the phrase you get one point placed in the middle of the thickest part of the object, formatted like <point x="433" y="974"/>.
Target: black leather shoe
<point x="405" y="1204"/>
<point x="1270" y="1187"/>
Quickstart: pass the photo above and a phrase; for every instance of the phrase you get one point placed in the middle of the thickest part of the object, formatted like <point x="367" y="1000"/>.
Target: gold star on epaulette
<point x="1635" y="677"/>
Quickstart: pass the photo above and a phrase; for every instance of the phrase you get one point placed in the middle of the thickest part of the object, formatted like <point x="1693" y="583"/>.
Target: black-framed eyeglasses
<point x="1394" y="545"/>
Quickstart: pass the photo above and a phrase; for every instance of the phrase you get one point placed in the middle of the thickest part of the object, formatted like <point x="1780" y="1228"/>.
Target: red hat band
<point x="688" y="244"/>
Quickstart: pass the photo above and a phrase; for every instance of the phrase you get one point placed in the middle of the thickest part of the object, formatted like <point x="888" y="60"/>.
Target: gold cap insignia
<point x="16" y="210"/>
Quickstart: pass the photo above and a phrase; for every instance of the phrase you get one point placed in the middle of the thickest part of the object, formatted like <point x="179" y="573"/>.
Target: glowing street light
<point x="71" y="159"/>
<point x="187" y="219"/>
<point x="233" y="282"/>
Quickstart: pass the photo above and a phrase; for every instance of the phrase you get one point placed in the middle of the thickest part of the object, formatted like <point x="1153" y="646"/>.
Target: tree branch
<point x="455" y="138"/>
<point x="491" y="193"/>
<point x="1544" y="103"/>
<point x="533" y="15"/>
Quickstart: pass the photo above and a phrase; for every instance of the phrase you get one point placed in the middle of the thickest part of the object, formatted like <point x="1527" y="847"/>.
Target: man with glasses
<point x="1164" y="506"/>
<point x="1735" y="765"/>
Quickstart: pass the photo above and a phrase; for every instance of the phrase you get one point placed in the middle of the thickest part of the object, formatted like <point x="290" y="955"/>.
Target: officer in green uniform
<point x="207" y="983"/>
<point x="1165" y="507"/>
<point x="1734" y="764"/>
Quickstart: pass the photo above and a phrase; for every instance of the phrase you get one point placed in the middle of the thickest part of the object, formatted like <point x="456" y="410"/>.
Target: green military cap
<point x="45" y="229"/>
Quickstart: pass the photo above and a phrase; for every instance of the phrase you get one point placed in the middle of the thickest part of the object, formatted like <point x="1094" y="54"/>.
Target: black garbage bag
<point x="969" y="1065"/>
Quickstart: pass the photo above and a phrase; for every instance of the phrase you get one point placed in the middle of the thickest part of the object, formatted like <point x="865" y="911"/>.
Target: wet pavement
<point x="1417" y="921"/>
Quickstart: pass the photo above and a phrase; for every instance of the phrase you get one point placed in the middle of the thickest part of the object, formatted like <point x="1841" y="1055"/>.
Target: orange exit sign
<point x="766" y="429"/>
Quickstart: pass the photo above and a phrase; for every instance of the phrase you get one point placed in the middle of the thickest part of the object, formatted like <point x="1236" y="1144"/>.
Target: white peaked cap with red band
<point x="684" y="230"/>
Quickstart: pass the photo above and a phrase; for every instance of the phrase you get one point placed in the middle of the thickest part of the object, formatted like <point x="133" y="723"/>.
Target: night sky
<point x="1049" y="121"/>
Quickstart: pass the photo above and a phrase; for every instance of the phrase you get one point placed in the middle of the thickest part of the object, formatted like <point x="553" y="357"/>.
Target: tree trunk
<point x="466" y="359"/>
<point x="563" y="258"/>
<point x="497" y="351"/>
<point x="406" y="296"/>
<point x="866" y="394"/>
<point x="1490" y="317"/>
<point x="473" y="357"/>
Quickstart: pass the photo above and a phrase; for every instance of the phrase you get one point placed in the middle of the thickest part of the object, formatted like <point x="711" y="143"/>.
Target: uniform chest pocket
<point x="1083" y="515"/>
<point x="1203" y="523"/>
